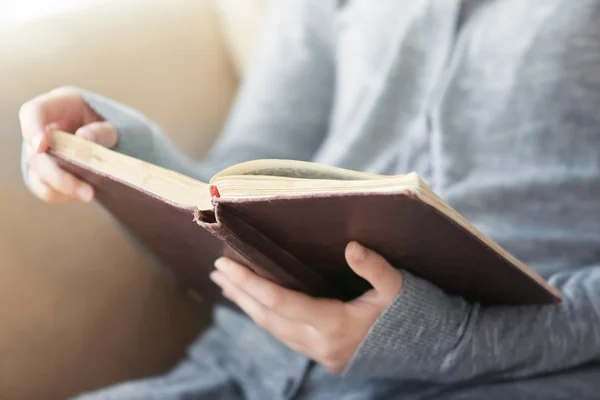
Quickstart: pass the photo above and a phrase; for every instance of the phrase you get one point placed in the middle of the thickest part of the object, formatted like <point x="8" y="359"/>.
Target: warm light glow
<point x="15" y="11"/>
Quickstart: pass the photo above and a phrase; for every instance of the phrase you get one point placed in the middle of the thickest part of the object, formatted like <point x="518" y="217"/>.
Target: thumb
<point x="103" y="133"/>
<point x="385" y="279"/>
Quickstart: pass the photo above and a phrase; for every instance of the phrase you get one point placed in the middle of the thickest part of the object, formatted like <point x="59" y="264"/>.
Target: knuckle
<point x="273" y="298"/>
<point x="378" y="270"/>
<point x="335" y="328"/>
<point x="243" y="276"/>
<point x="63" y="181"/>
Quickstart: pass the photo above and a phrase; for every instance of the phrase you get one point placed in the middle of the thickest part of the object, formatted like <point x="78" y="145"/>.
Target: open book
<point x="289" y="221"/>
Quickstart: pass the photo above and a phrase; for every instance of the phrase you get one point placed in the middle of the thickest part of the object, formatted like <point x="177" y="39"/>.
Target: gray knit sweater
<point x="496" y="104"/>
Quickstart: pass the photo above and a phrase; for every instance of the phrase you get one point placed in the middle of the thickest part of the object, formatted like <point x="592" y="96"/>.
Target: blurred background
<point x="79" y="307"/>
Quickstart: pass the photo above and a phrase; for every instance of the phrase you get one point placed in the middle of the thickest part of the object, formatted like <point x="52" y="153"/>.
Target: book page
<point x="294" y="169"/>
<point x="166" y="184"/>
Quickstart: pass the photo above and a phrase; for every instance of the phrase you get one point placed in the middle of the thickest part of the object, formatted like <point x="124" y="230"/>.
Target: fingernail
<point x="358" y="252"/>
<point x="36" y="142"/>
<point x="214" y="276"/>
<point x="85" y="133"/>
<point x="221" y="264"/>
<point x="82" y="132"/>
<point x="217" y="278"/>
<point x="85" y="193"/>
<point x="51" y="127"/>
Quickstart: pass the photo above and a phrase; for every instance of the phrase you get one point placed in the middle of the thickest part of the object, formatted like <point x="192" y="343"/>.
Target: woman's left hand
<point x="327" y="331"/>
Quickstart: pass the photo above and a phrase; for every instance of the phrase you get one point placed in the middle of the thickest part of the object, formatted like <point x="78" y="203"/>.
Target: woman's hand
<point x="59" y="109"/>
<point x="327" y="331"/>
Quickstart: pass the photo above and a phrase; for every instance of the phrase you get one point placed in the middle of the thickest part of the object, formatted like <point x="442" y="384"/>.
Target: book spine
<point x="248" y="246"/>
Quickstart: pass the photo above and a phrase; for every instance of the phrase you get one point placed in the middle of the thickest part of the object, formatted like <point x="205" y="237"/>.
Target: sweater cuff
<point x="415" y="336"/>
<point x="136" y="135"/>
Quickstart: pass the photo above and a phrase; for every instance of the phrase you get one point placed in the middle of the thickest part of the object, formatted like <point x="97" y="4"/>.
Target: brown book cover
<point x="290" y="222"/>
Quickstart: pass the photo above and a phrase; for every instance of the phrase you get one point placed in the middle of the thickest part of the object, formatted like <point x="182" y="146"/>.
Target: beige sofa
<point x="79" y="307"/>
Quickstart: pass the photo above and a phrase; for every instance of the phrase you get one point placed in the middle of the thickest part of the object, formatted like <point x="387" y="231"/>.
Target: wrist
<point x="415" y="335"/>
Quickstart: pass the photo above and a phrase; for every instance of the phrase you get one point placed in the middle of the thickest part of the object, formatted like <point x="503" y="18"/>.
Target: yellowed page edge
<point x="169" y="185"/>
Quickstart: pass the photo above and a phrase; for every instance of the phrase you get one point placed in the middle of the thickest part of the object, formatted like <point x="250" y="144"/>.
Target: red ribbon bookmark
<point x="214" y="192"/>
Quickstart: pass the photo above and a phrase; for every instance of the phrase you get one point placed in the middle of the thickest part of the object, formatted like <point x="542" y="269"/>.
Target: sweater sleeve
<point x="282" y="107"/>
<point x="427" y="334"/>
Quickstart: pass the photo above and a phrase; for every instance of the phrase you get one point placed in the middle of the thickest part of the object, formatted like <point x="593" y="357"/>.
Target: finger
<point x="62" y="106"/>
<point x="58" y="179"/>
<point x="48" y="129"/>
<point x="43" y="191"/>
<point x="384" y="278"/>
<point x="33" y="122"/>
<point x="306" y="350"/>
<point x="288" y="303"/>
<point x="29" y="150"/>
<point x="103" y="133"/>
<point x="36" y="115"/>
<point x="282" y="328"/>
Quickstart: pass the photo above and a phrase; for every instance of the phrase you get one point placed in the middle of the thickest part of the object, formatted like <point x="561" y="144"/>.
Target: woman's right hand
<point x="60" y="109"/>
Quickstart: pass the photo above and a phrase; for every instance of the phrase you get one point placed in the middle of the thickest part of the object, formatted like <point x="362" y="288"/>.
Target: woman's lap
<point x="193" y="378"/>
<point x="237" y="360"/>
<point x="234" y="359"/>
